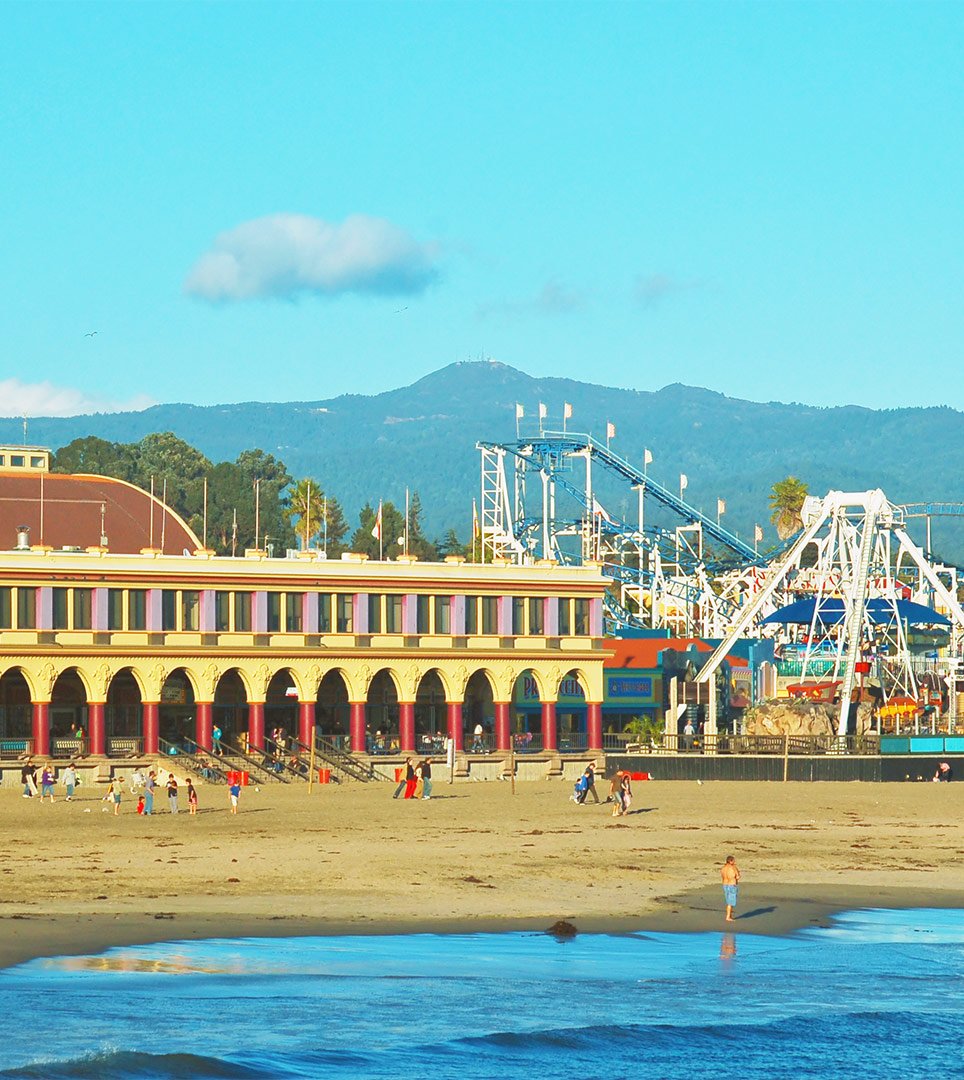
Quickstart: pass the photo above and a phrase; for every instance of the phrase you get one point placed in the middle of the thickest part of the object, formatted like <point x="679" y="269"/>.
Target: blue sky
<point x="292" y="201"/>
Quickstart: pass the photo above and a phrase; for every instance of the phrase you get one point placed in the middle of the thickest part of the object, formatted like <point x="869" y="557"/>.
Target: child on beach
<point x="191" y="798"/>
<point x="47" y="782"/>
<point x="113" y="796"/>
<point x="235" y="792"/>
<point x="172" y="792"/>
<point x="140" y="804"/>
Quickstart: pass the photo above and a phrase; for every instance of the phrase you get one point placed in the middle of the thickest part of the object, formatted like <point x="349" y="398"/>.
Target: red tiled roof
<point x="644" y="652"/>
<point x="72" y="507"/>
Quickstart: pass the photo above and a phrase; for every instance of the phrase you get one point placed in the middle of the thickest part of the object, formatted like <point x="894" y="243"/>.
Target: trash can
<point x="324" y="776"/>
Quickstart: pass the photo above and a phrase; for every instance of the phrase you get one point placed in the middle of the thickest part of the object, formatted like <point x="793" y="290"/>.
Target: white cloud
<point x="552" y="299"/>
<point x="285" y="255"/>
<point x="653" y="289"/>
<point x="44" y="399"/>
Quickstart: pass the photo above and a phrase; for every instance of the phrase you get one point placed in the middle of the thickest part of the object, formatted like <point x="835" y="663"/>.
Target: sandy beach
<point x="476" y="857"/>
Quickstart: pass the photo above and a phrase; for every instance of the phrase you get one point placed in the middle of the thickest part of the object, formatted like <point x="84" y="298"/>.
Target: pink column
<point x="406" y="726"/>
<point x="594" y="725"/>
<point x="203" y="724"/>
<point x="453" y="710"/>
<point x="41" y="728"/>
<point x="549" y="741"/>
<point x="150" y="726"/>
<point x="256" y="724"/>
<point x="306" y="721"/>
<point x="356" y="725"/>
<point x="503" y="736"/>
<point x="95" y="725"/>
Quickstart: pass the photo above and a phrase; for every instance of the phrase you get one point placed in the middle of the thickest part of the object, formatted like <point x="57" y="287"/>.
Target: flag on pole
<point x="475" y="518"/>
<point x="683" y="481"/>
<point x="610" y="431"/>
<point x="543" y="411"/>
<point x="599" y="511"/>
<point x="757" y="534"/>
<point x="519" y="411"/>
<point x="720" y="507"/>
<point x="377" y="530"/>
<point x="647" y="458"/>
<point x="567" y="411"/>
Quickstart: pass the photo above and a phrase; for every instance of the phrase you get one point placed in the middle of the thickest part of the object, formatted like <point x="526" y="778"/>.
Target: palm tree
<point x="309" y="510"/>
<point x="786" y="502"/>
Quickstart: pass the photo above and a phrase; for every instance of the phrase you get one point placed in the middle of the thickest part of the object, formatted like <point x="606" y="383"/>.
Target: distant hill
<point x="423" y="436"/>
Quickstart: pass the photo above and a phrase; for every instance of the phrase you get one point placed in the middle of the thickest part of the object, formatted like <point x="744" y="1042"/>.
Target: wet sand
<point x="349" y="859"/>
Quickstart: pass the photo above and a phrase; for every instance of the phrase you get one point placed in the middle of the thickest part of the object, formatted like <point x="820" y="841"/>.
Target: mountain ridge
<point x="364" y="447"/>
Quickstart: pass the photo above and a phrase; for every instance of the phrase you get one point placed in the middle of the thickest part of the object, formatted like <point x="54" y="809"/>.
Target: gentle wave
<point x="128" y="1065"/>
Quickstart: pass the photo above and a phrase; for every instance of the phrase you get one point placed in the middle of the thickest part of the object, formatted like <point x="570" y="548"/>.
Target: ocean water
<point x="880" y="993"/>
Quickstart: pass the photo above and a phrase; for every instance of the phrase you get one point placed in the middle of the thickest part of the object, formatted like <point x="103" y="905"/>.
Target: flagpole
<point x="205" y="541"/>
<point x="324" y="512"/>
<point x="381" y="534"/>
<point x="308" y="515"/>
<point x="406" y="521"/>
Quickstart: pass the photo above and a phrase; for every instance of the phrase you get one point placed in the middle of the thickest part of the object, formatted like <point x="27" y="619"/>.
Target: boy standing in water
<point x="730" y="876"/>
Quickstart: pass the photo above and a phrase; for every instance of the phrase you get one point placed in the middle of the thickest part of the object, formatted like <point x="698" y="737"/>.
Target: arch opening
<point x="123" y="714"/>
<point x="526" y="713"/>
<point x="230" y="710"/>
<point x="332" y="711"/>
<point x="478" y="712"/>
<point x="177" y="711"/>
<point x="430" y="714"/>
<point x="16" y="713"/>
<point x="571" y="713"/>
<point x="281" y="708"/>
<point x="381" y="713"/>
<point x="68" y="714"/>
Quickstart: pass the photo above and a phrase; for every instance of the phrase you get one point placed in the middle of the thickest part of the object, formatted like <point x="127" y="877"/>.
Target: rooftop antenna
<point x="257" y="511"/>
<point x="324" y="517"/>
<point x="234" y="533"/>
<point x="103" y="527"/>
<point x="151" y="544"/>
<point x="25" y="434"/>
<point x="41" y="505"/>
<point x="204" y="541"/>
<point x="164" y="518"/>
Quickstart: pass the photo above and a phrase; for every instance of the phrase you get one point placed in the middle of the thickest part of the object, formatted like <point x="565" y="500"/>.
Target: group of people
<point x="620" y="790"/>
<point x="40" y="782"/>
<point x="415" y="781"/>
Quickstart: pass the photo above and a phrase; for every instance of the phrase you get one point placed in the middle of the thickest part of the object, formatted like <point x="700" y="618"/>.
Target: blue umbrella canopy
<point x="879" y="611"/>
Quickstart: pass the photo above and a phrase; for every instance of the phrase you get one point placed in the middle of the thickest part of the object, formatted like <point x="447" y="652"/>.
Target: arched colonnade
<point x="368" y="705"/>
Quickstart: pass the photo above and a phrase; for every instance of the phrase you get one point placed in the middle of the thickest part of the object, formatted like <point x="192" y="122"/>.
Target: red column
<point x="406" y="726"/>
<point x="41" y="728"/>
<point x="594" y="725"/>
<point x="356" y="725"/>
<point x="203" y="724"/>
<point x="306" y="721"/>
<point x="150" y="726"/>
<point x="453" y="710"/>
<point x="503" y="736"/>
<point x="549" y="741"/>
<point x="95" y="724"/>
<point x="256" y="724"/>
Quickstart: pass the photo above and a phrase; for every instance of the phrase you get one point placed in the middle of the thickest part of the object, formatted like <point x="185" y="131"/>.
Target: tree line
<point x="254" y="494"/>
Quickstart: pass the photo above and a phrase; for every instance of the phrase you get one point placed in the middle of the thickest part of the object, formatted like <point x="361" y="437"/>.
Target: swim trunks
<point x="729" y="895"/>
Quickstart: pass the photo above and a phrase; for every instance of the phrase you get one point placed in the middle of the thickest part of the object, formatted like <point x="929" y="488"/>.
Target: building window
<point x="168" y="609"/>
<point x="190" y="609"/>
<point x="374" y="613"/>
<point x="490" y="615"/>
<point x="83" y="600"/>
<point x="423" y="615"/>
<point x="274" y="612"/>
<point x="136" y="609"/>
<point x="26" y="608"/>
<point x="393" y="614"/>
<point x="18" y="461"/>
<point x="443" y="614"/>
<point x="581" y="616"/>
<point x="222" y="612"/>
<point x="59" y="609"/>
<point x="36" y="463"/>
<point x="343" y="613"/>
<point x="536" y="612"/>
<point x="6" y="608"/>
<point x="518" y="615"/>
<point x="242" y="612"/>
<point x="565" y="616"/>
<point x="324" y="613"/>
<point x="471" y="614"/>
<point x="294" y="610"/>
<point x="115" y="609"/>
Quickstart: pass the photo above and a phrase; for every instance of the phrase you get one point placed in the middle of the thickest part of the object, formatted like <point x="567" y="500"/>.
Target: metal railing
<point x="67" y="746"/>
<point x="125" y="746"/>
<point x="12" y="749"/>
<point x="200" y="764"/>
<point x="527" y="742"/>
<point x="725" y="743"/>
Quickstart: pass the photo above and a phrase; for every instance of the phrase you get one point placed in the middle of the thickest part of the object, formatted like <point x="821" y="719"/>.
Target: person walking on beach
<point x="626" y="791"/>
<point x="28" y="777"/>
<point x="411" y="779"/>
<point x="149" y="785"/>
<point x="401" y="774"/>
<point x="69" y="779"/>
<point x="616" y="792"/>
<point x="589" y="788"/>
<point x="426" y="779"/>
<point x="235" y="792"/>
<point x="113" y="796"/>
<point x="47" y="778"/>
<point x="730" y="876"/>
<point x="172" y="792"/>
<point x="191" y="799"/>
